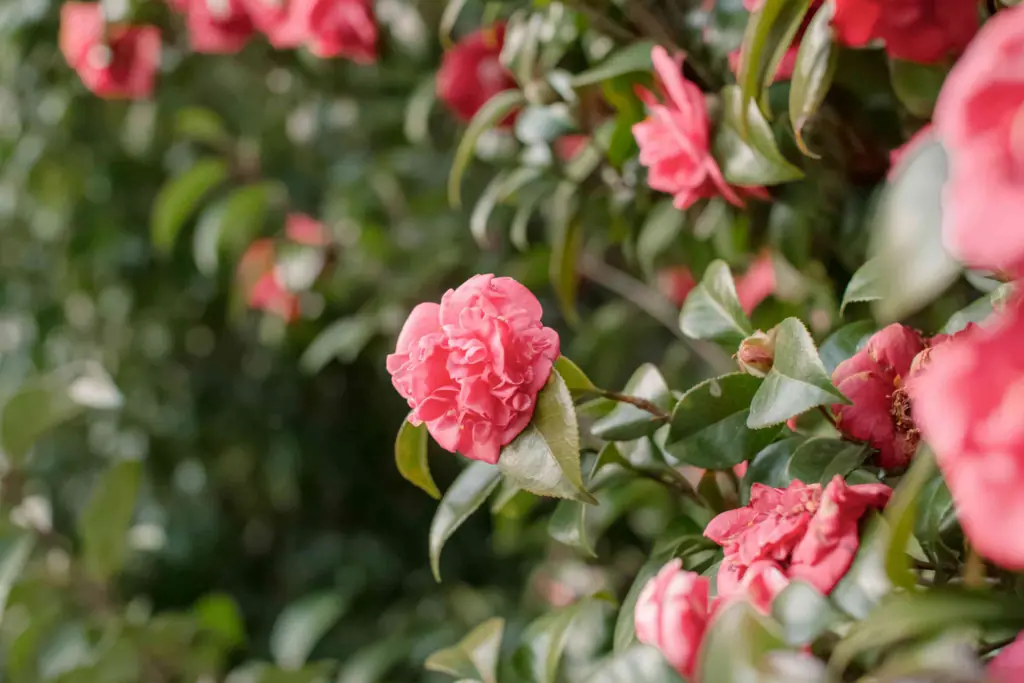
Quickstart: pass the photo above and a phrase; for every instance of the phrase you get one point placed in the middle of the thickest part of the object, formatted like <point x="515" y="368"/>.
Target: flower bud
<point x="757" y="353"/>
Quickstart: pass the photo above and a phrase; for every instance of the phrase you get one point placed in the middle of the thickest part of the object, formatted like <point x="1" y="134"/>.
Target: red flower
<point x="1008" y="665"/>
<point x="259" y="281"/>
<point x="343" y="28"/>
<point x="924" y="31"/>
<point x="977" y="118"/>
<point x="471" y="72"/>
<point x="676" y="283"/>
<point x="799" y="532"/>
<point x="216" y="26"/>
<point x="120" y="64"/>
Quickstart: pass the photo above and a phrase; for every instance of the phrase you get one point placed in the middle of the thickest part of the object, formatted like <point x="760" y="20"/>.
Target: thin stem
<point x="641" y="403"/>
<point x="600" y="21"/>
<point x="829" y="416"/>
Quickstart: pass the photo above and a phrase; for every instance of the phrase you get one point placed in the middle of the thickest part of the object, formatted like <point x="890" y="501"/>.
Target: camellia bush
<point x="709" y="308"/>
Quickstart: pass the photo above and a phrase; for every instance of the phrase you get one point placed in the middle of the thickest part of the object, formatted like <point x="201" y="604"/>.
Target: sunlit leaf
<point x="180" y="197"/>
<point x="411" y="457"/>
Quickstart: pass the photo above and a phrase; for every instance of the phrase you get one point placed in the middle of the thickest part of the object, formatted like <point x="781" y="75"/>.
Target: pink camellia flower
<point x="471" y="73"/>
<point x="116" y="61"/>
<point x="757" y="284"/>
<point x="967" y="403"/>
<point x="672" y="615"/>
<point x="799" y="532"/>
<point x="343" y="28"/>
<point x="1008" y="665"/>
<point x="923" y="31"/>
<point x="258" y="279"/>
<point x="306" y="230"/>
<point x="284" y="22"/>
<point x="977" y="119"/>
<point x="675" y="140"/>
<point x="216" y="26"/>
<point x="472" y="367"/>
<point x="676" y="283"/>
<point x="875" y="379"/>
<point x="897" y="155"/>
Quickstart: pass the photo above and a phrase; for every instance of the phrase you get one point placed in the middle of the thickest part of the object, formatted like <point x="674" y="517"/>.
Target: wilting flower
<point x="471" y="367"/>
<point x="672" y="615"/>
<point x="471" y="72"/>
<point x="799" y="532"/>
<point x="977" y="118"/>
<point x="676" y="283"/>
<point x="116" y="61"/>
<point x="875" y="379"/>
<point x="968" y="400"/>
<point x="924" y="31"/>
<point x="1008" y="665"/>
<point x="216" y="26"/>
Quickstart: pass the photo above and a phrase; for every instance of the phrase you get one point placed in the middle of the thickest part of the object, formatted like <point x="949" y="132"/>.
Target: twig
<point x="641" y="403"/>
<point x="829" y="416"/>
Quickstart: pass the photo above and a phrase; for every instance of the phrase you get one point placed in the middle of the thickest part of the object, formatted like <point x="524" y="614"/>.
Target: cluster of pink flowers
<point x="121" y="60"/>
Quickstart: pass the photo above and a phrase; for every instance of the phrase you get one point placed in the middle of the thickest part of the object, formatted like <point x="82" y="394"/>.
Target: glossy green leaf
<point x="660" y="230"/>
<point x="821" y="458"/>
<point x="545" y="458"/>
<point x="468" y="492"/>
<point x="496" y="109"/>
<point x="13" y="559"/>
<point x="867" y="284"/>
<point x="770" y="32"/>
<point x="475" y="657"/>
<point x="752" y="159"/>
<point x="542" y="643"/>
<point x="179" y="198"/>
<point x="709" y="424"/>
<point x="411" y="457"/>
<point x="301" y="625"/>
<point x="626" y="421"/>
<point x="913" y="265"/>
<point x="736" y="643"/>
<point x="797" y="381"/>
<point x="815" y="66"/>
<point x="845" y="342"/>
<point x="804" y="613"/>
<point x="901" y="513"/>
<point x="568" y="526"/>
<point x="636" y="664"/>
<point x="574" y="377"/>
<point x="107" y="517"/>
<point x="916" y="85"/>
<point x="633" y="58"/>
<point x="201" y="125"/>
<point x="231" y="222"/>
<point x="344" y="340"/>
<point x="770" y="467"/>
<point x="712" y="310"/>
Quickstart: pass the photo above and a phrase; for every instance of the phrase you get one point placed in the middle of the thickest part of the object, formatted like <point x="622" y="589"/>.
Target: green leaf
<point x="493" y="111"/>
<point x="901" y="514"/>
<point x="343" y="339"/>
<point x="638" y="664"/>
<point x="179" y="197"/>
<point x="575" y="378"/>
<point x="37" y="407"/>
<point x="13" y="559"/>
<point x="301" y="625"/>
<point x="917" y="86"/>
<point x="660" y="230"/>
<point x="201" y="125"/>
<point x="752" y="158"/>
<point x="538" y="124"/>
<point x="475" y="657"/>
<point x="627" y="422"/>
<point x="907" y="616"/>
<point x="845" y="342"/>
<point x="712" y="310"/>
<point x="804" y="613"/>
<point x="233" y="221"/>
<point x="821" y="458"/>
<point x="770" y="467"/>
<point x="865" y="582"/>
<point x="735" y="645"/>
<point x="568" y="526"/>
<point x="769" y="34"/>
<point x="411" y="457"/>
<point x="545" y="458"/>
<point x="418" y="109"/>
<point x="566" y="242"/>
<point x="867" y="284"/>
<point x="452" y="10"/>
<point x="709" y="424"/>
<point x="217" y="614"/>
<point x="907" y="243"/>
<point x="544" y="640"/>
<point x="501" y="187"/>
<point x="815" y="66"/>
<point x="977" y="311"/>
<point x="106" y="518"/>
<point x="797" y="381"/>
<point x="633" y="58"/>
<point x="468" y="492"/>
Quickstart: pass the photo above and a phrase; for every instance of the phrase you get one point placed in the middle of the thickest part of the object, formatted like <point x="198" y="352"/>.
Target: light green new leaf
<point x="468" y="492"/>
<point x="821" y="458"/>
<point x="867" y="284"/>
<point x="545" y="458"/>
<point x="634" y="58"/>
<point x="104" y="523"/>
<point x="544" y="640"/>
<point x="804" y="613"/>
<point x="709" y="424"/>
<point x="736" y="643"/>
<point x="493" y="111"/>
<point x="301" y="625"/>
<point x="475" y="657"/>
<point x="752" y="158"/>
<point x="575" y="378"/>
<point x="769" y="34"/>
<point x="411" y="457"/>
<point x="913" y="264"/>
<point x="815" y="65"/>
<point x="797" y="381"/>
<point x="712" y="310"/>
<point x="627" y="422"/>
<point x="179" y="197"/>
<point x="418" y="110"/>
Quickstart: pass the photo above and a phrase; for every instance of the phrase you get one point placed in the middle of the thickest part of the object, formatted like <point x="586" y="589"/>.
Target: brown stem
<point x="641" y="403"/>
<point x="829" y="416"/>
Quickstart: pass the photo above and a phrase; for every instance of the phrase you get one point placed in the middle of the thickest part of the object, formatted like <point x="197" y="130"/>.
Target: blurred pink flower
<point x="343" y="28"/>
<point x="284" y="22"/>
<point x="757" y="284"/>
<point x="924" y="31"/>
<point x="568" y="146"/>
<point x="897" y="155"/>
<point x="305" y="229"/>
<point x="216" y="26"/>
<point x="471" y="73"/>
<point x="676" y="283"/>
<point x="1008" y="665"/>
<point x="258" y="280"/>
<point x="472" y="367"/>
<point x="116" y="61"/>
<point x="672" y="615"/>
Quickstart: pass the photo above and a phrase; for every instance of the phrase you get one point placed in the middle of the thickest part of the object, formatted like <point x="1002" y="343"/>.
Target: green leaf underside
<point x="797" y="381"/>
<point x="411" y="457"/>
<point x="544" y="640"/>
<point x="475" y="657"/>
<point x="468" y="492"/>
<point x="712" y="310"/>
